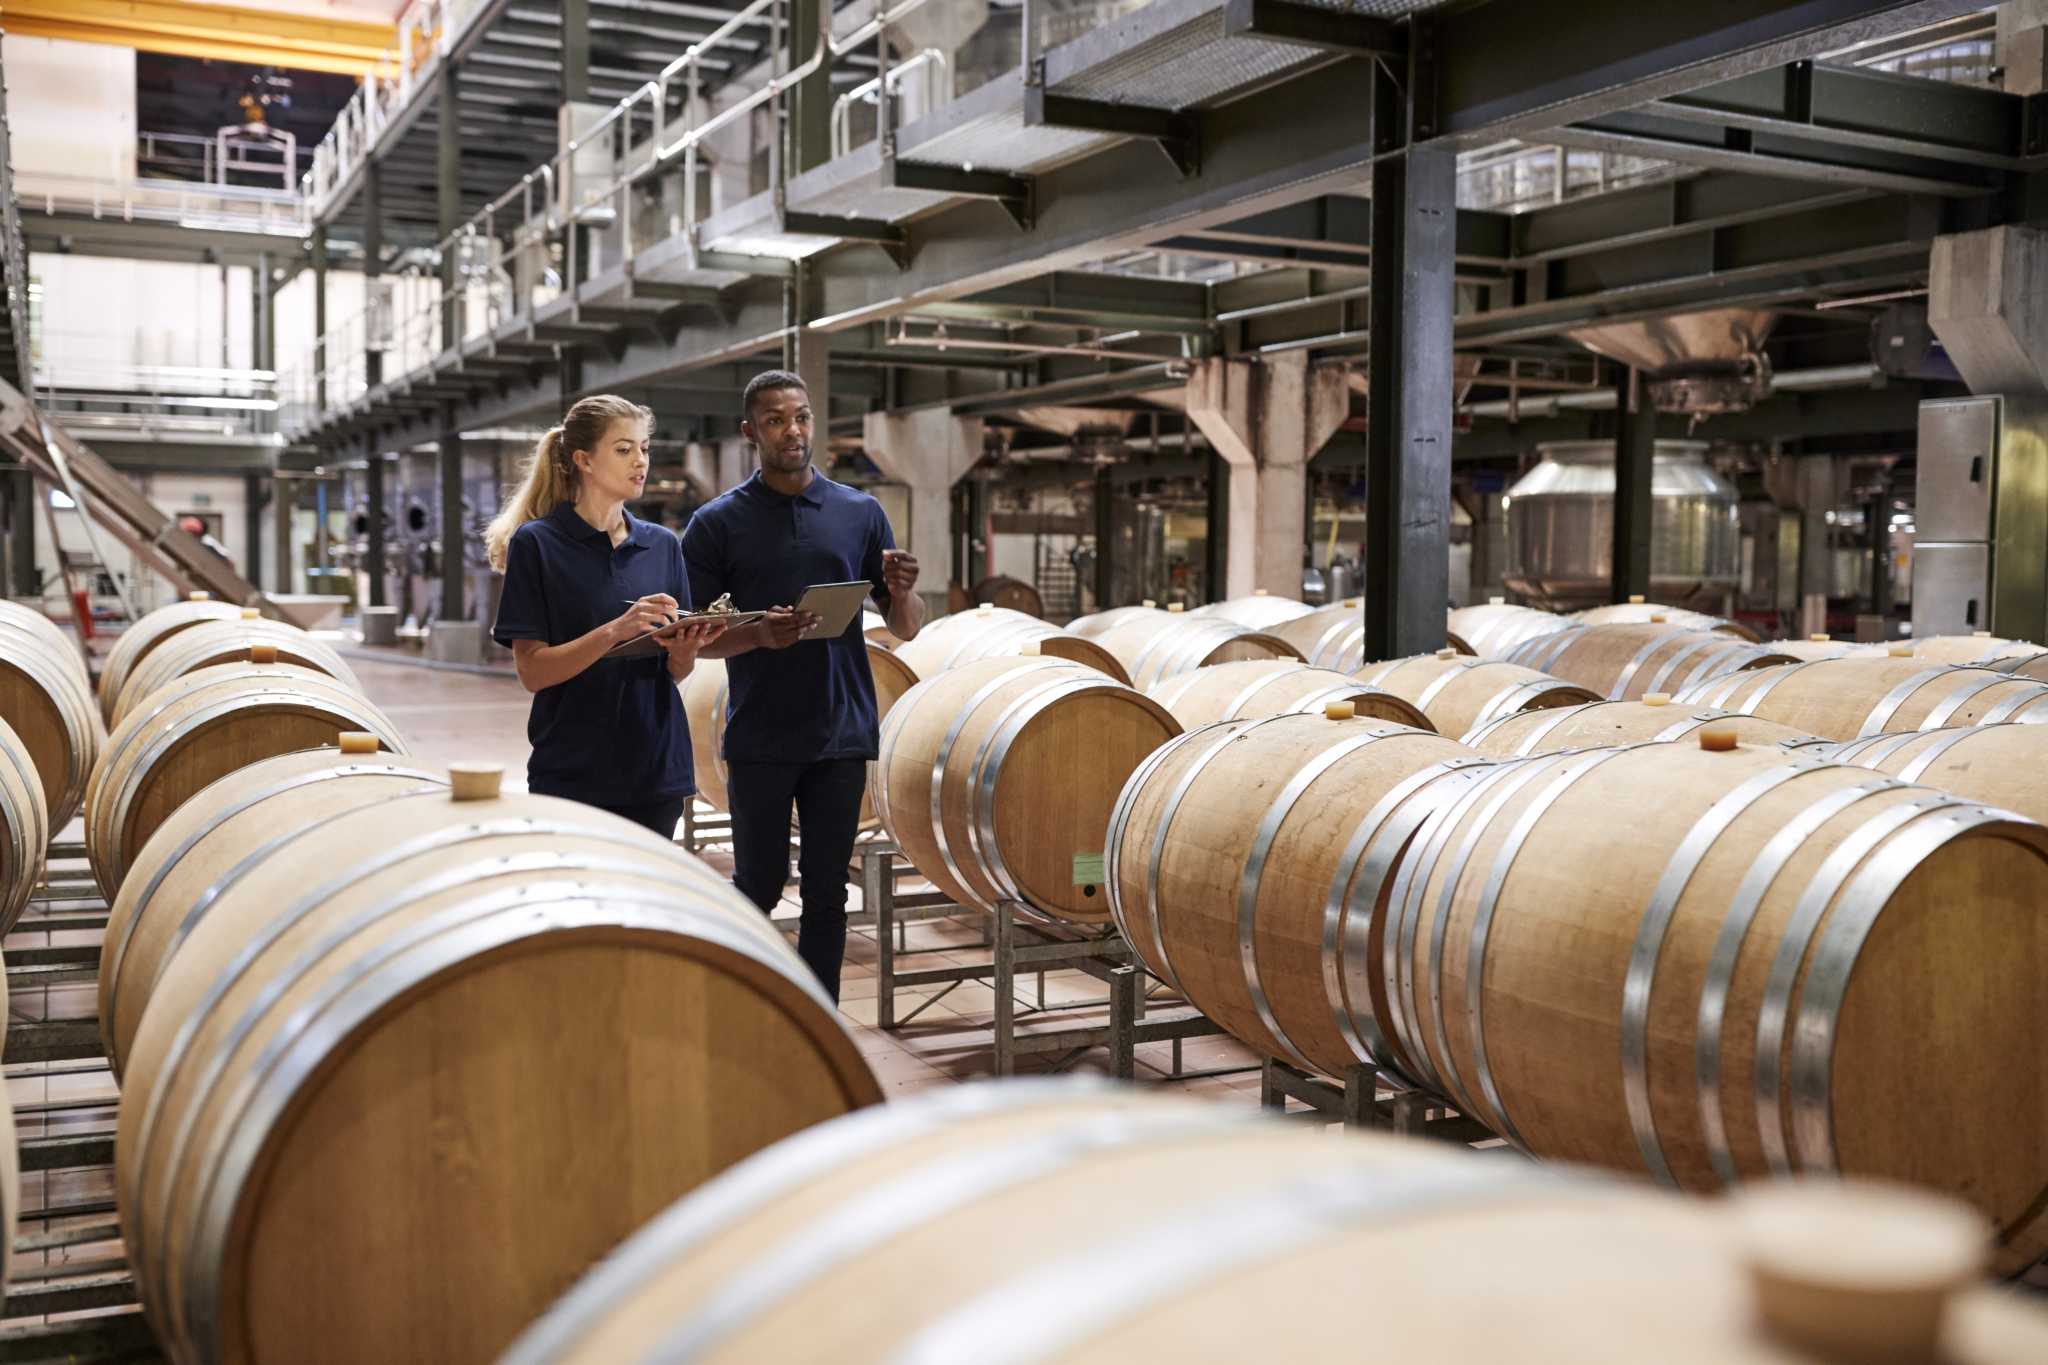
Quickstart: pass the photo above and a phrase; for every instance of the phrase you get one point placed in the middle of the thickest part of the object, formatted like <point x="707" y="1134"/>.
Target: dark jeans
<point x="827" y="797"/>
<point x="660" y="816"/>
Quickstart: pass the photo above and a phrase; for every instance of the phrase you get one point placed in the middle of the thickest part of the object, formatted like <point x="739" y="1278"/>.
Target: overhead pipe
<point x="1601" y="400"/>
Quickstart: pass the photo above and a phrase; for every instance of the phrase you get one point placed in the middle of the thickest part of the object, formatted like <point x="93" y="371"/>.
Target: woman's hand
<point x="649" y="613"/>
<point x="683" y="646"/>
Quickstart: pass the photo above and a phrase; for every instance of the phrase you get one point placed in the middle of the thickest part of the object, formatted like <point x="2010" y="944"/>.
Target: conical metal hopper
<point x="1696" y="363"/>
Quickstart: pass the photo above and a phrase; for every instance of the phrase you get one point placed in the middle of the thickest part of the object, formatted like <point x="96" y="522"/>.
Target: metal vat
<point x="1560" y="523"/>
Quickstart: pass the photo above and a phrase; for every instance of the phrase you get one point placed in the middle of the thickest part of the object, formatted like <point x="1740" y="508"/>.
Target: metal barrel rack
<point x="1366" y="1097"/>
<point x="74" y="1162"/>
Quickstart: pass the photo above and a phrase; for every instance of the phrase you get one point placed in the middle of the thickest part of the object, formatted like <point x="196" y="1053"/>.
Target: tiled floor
<point x="449" y="714"/>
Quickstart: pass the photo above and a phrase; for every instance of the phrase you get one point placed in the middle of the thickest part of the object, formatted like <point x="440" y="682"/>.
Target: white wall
<point x="70" y="107"/>
<point x="100" y="312"/>
<point x="176" y="494"/>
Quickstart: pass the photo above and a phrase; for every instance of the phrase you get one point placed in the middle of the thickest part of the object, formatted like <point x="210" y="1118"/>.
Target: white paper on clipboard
<point x="835" y="605"/>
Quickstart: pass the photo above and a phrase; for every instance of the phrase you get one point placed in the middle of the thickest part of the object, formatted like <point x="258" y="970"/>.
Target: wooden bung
<point x="986" y="609"/>
<point x="475" y="781"/>
<point x="1447" y="653"/>
<point x="1657" y="699"/>
<point x="1658" y="618"/>
<point x="357" y="742"/>
<point x="1820" y="637"/>
<point x="1496" y="601"/>
<point x="1980" y="634"/>
<point x="262" y="654"/>
<point x="1176" y="606"/>
<point x="1340" y="710"/>
<point x="1150" y="604"/>
<point x="251" y="614"/>
<point x="1857" y="1270"/>
<point x="1717" y="739"/>
<point x="1635" y="599"/>
<point x="1030" y="649"/>
<point x="1899" y="649"/>
<point x="198" y="597"/>
<point x="1261" y="592"/>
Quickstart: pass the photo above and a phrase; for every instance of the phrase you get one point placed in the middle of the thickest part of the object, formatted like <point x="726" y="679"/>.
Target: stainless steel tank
<point x="1560" y="523"/>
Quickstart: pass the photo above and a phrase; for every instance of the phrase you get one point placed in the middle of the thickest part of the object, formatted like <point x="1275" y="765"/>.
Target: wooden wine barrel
<point x="474" y="1042"/>
<point x="205" y="726"/>
<point x="997" y="777"/>
<point x="1756" y="941"/>
<point x="62" y="644"/>
<point x="876" y="627"/>
<point x="1841" y="699"/>
<point x="1498" y="628"/>
<point x="1098" y="624"/>
<point x="1270" y="687"/>
<point x="2033" y="666"/>
<point x="1171" y="1230"/>
<point x="269" y="802"/>
<point x="1601" y="724"/>
<point x="1981" y="649"/>
<point x="1822" y="647"/>
<point x="1234" y="854"/>
<point x="220" y="642"/>
<point x="1638" y="613"/>
<point x="1628" y="662"/>
<point x="1156" y="647"/>
<point x="45" y="699"/>
<point x="1999" y="765"/>
<point x="1330" y="637"/>
<point x="1011" y="594"/>
<point x="24" y="830"/>
<point x="1460" y="693"/>
<point x="134" y="644"/>
<point x="704" y="705"/>
<point x="1260" y="611"/>
<point x="990" y="632"/>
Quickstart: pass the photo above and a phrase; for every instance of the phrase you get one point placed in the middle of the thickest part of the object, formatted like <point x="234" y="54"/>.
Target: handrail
<point x="936" y="67"/>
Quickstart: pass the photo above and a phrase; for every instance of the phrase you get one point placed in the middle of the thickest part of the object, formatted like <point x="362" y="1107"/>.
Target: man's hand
<point x="899" y="573"/>
<point x="784" y="626"/>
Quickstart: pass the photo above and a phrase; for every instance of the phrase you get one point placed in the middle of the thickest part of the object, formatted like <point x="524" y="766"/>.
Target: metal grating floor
<point x="1173" y="54"/>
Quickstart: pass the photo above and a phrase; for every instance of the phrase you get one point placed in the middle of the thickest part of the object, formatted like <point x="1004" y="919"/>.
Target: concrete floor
<point x="449" y="715"/>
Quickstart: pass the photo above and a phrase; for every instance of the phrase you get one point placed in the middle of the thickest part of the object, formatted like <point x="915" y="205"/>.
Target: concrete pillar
<point x="320" y="358"/>
<point x="1987" y="299"/>
<point x="1267" y="420"/>
<point x="928" y="450"/>
<point x="454" y="564"/>
<point x="2023" y="45"/>
<point x="735" y="462"/>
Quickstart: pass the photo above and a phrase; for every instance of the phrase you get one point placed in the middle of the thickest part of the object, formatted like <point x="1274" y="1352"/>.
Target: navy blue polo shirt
<point x="816" y="699"/>
<point x="614" y="734"/>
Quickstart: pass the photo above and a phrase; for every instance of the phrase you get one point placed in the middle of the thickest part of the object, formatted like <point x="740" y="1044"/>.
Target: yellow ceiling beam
<point x="223" y="32"/>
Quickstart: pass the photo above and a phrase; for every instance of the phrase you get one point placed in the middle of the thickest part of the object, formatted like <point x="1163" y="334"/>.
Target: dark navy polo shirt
<point x="614" y="734"/>
<point x="816" y="699"/>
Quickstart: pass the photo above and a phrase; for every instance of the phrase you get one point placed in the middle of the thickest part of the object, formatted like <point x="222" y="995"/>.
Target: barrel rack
<point x="66" y="901"/>
<point x="1366" y="1097"/>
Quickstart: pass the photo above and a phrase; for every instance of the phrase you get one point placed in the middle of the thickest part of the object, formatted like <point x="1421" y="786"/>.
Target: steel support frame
<point x="1635" y="437"/>
<point x="448" y="196"/>
<point x="1365" y="1098"/>
<point x="454" y="566"/>
<point x="373" y="538"/>
<point x="1408" y="422"/>
<point x="1105" y="539"/>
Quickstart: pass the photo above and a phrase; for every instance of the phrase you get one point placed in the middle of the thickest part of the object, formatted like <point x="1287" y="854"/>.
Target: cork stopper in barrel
<point x="1151" y="604"/>
<point x="198" y="597"/>
<point x="1635" y="599"/>
<point x="985" y="609"/>
<point x="475" y="781"/>
<point x="251" y="614"/>
<point x="1447" y="653"/>
<point x="262" y="654"/>
<point x="1717" y="739"/>
<point x="1899" y="649"/>
<point x="1657" y="699"/>
<point x="1980" y="634"/>
<point x="357" y="742"/>
<point x="1658" y="618"/>
<point x="1176" y="606"/>
<point x="1031" y="649"/>
<point x="1820" y="637"/>
<point x="1857" y="1270"/>
<point x="1339" y="710"/>
<point x="1496" y="601"/>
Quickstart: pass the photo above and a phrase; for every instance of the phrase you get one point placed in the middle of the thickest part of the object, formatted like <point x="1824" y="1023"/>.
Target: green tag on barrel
<point x="1088" y="870"/>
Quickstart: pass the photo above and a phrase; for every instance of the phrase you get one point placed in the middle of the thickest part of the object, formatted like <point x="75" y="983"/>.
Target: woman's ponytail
<point x="550" y="476"/>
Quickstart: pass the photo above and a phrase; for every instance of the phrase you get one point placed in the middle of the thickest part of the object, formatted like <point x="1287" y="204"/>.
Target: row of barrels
<point x="1168" y="1229"/>
<point x="1704" y="960"/>
<point x="432" y="1046"/>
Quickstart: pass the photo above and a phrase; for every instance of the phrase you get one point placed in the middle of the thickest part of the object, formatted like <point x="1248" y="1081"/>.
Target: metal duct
<point x="1600" y="400"/>
<point x="1697" y="363"/>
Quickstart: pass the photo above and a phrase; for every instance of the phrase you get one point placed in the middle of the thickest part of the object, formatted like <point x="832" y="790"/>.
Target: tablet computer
<point x="835" y="605"/>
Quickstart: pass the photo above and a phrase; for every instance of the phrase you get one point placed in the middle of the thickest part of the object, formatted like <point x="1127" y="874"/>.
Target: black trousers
<point x="660" y="816"/>
<point x="827" y="797"/>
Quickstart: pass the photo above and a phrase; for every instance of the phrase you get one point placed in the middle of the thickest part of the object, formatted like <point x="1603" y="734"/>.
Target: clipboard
<point x="648" y="645"/>
<point x="835" y="605"/>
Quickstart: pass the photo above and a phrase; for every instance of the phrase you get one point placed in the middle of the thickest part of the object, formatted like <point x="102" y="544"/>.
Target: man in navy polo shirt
<point x="800" y="721"/>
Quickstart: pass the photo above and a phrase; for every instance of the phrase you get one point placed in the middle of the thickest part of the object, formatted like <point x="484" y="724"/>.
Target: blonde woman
<point x="607" y="732"/>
